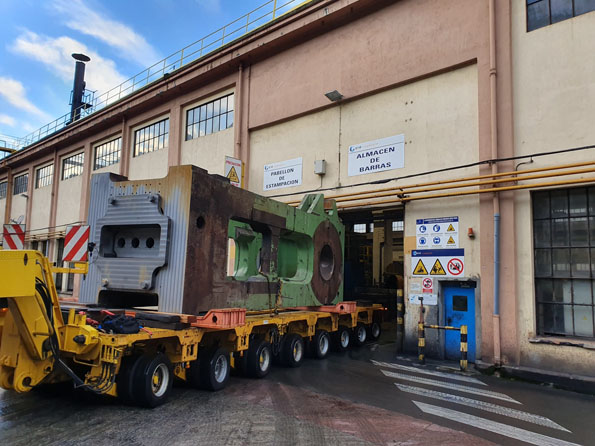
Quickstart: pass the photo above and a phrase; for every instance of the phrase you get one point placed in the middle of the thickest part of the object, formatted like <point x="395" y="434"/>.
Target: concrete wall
<point x="554" y="106"/>
<point x="148" y="165"/>
<point x="40" y="208"/>
<point x="69" y="201"/>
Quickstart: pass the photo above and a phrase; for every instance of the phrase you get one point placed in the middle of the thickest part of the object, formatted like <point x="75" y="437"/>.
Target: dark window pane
<point x="578" y="202"/>
<point x="553" y="318"/>
<point x="561" y="10"/>
<point x="543" y="263"/>
<point x="583" y="6"/>
<point x="538" y="15"/>
<point x="580" y="264"/>
<point x="561" y="262"/>
<point x="459" y="303"/>
<point x="544" y="290"/>
<point x="559" y="201"/>
<point x="583" y="320"/>
<point x="541" y="233"/>
<point x="190" y="117"/>
<point x="541" y="205"/>
<point x="579" y="231"/>
<point x="592" y="198"/>
<point x="560" y="232"/>
<point x="582" y="292"/>
<point x="562" y="291"/>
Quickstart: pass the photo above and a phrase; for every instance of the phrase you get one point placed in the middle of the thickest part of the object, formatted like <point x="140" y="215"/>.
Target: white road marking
<point x="493" y="426"/>
<point x="451" y="386"/>
<point x="428" y="372"/>
<point x="482" y="405"/>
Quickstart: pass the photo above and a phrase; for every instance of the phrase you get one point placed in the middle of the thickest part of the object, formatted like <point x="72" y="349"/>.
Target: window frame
<point x="113" y="153"/>
<point x="528" y="3"/>
<point x="46" y="179"/>
<point x="74" y="170"/>
<point x="3" y="189"/>
<point x="147" y="144"/>
<point x="16" y="183"/>
<point x="212" y="113"/>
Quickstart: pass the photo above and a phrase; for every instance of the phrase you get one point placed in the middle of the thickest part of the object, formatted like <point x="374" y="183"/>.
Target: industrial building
<point x="442" y="129"/>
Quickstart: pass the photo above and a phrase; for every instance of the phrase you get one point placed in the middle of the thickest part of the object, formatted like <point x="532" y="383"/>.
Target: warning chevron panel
<point x="438" y="262"/>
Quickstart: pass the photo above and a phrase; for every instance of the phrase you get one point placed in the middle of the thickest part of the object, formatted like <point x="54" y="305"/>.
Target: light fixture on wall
<point x="470" y="233"/>
<point x="334" y="96"/>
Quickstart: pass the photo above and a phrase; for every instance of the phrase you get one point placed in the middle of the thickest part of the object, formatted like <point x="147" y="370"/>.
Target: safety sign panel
<point x="283" y="174"/>
<point x="13" y="236"/>
<point x="428" y="299"/>
<point x="438" y="263"/>
<point x="76" y="242"/>
<point x="376" y="156"/>
<point x="234" y="171"/>
<point x="437" y="233"/>
<point x="428" y="284"/>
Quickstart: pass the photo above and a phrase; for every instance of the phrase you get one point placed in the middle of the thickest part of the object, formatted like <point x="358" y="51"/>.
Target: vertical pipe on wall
<point x="496" y="200"/>
<point x="237" y="152"/>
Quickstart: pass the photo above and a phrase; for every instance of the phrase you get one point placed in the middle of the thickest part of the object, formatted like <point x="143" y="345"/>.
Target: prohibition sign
<point x="455" y="266"/>
<point x="427" y="283"/>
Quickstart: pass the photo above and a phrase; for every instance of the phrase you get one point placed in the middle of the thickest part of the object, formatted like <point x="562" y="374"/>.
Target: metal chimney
<point x="78" y="89"/>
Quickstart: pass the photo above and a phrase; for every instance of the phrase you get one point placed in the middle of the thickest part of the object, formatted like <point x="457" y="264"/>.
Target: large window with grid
<point x="209" y="118"/>
<point x="107" y="153"/>
<point x="3" y="187"/>
<point x="542" y="13"/>
<point x="73" y="166"/>
<point x="564" y="242"/>
<point x="44" y="176"/>
<point x="20" y="184"/>
<point x="151" y="138"/>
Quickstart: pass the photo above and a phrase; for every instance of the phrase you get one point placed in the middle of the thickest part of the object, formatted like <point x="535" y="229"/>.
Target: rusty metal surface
<point x="328" y="263"/>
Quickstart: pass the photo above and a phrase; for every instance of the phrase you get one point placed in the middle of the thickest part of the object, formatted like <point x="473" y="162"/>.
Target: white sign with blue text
<point x="283" y="174"/>
<point x="376" y="156"/>
<point x="437" y="233"/>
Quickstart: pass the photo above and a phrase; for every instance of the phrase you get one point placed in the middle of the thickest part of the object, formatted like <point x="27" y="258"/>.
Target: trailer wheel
<point x="214" y="369"/>
<point x="375" y="330"/>
<point x="152" y="380"/>
<point x="259" y="359"/>
<point x="124" y="380"/>
<point x="342" y="337"/>
<point x="360" y="335"/>
<point x="292" y="350"/>
<point x="321" y="344"/>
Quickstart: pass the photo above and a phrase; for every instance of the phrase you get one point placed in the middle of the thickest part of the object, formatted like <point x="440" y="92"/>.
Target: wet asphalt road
<point x="343" y="400"/>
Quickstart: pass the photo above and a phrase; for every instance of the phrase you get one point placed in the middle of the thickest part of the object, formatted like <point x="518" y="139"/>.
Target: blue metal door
<point x="459" y="306"/>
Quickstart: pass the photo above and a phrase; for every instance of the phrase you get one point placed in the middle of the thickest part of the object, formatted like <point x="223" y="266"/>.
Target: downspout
<point x="495" y="199"/>
<point x="237" y="153"/>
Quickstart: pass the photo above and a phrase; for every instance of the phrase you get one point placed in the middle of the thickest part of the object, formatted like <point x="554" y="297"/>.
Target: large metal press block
<point x="191" y="242"/>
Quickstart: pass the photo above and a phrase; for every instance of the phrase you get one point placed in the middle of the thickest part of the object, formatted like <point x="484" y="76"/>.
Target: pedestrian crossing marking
<point x="451" y="228"/>
<point x="492" y="426"/>
<point x="232" y="175"/>
<point x="429" y="372"/>
<point x="437" y="269"/>
<point x="420" y="269"/>
<point x="451" y="386"/>
<point x="451" y="241"/>
<point x="482" y="405"/>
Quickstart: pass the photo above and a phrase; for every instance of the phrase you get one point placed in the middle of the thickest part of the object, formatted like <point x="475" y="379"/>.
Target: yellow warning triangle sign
<point x="451" y="228"/>
<point x="451" y="241"/>
<point x="420" y="269"/>
<point x="437" y="269"/>
<point x="232" y="175"/>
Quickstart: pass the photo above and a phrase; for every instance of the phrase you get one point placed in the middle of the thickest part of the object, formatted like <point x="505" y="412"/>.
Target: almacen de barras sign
<point x="377" y="156"/>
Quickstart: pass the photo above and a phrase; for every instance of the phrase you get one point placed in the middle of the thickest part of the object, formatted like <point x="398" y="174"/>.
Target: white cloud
<point x="7" y="120"/>
<point x="210" y="5"/>
<point x="101" y="74"/>
<point x="14" y="92"/>
<point x="116" y="34"/>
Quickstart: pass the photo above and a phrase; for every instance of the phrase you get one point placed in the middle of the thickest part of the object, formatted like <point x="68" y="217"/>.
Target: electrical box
<point x="320" y="167"/>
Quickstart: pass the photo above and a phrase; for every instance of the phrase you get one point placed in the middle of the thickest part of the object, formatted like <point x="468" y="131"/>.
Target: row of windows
<point x="210" y="117"/>
<point x="107" y="153"/>
<point x="542" y="13"/>
<point x="151" y="138"/>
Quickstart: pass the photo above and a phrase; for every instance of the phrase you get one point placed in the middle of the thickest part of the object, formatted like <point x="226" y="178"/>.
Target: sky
<point x="122" y="37"/>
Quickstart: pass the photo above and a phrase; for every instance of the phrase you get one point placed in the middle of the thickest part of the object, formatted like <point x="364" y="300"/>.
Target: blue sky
<point x="122" y="37"/>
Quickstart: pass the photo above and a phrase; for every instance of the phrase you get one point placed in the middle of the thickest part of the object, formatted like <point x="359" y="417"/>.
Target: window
<point x="44" y="176"/>
<point x="20" y="184"/>
<point x="73" y="166"/>
<point x="3" y="187"/>
<point x="360" y="228"/>
<point x="564" y="253"/>
<point x="61" y="284"/>
<point x="41" y="246"/>
<point x="398" y="225"/>
<point x="210" y="117"/>
<point x="541" y="13"/>
<point x="107" y="153"/>
<point x="152" y="137"/>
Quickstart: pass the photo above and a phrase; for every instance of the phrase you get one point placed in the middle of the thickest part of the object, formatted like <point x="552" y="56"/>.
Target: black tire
<point x="320" y="344"/>
<point x="342" y="338"/>
<point x="259" y="359"/>
<point x="214" y="369"/>
<point x="374" y="330"/>
<point x="240" y="364"/>
<point x="152" y="380"/>
<point x="124" y="380"/>
<point x="292" y="350"/>
<point x="360" y="335"/>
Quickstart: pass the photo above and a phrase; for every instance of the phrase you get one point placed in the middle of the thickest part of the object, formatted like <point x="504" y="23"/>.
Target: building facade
<point x="445" y="143"/>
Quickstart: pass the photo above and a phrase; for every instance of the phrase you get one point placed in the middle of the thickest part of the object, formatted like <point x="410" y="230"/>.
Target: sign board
<point x="429" y="299"/>
<point x="438" y="263"/>
<point x="414" y="287"/>
<point x="76" y="242"/>
<point x="13" y="236"/>
<point x="282" y="174"/>
<point x="428" y="285"/>
<point x="376" y="156"/>
<point x="437" y="233"/>
<point x="234" y="171"/>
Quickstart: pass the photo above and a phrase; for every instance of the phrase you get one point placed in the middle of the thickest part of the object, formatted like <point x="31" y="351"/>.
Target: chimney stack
<point x="78" y="89"/>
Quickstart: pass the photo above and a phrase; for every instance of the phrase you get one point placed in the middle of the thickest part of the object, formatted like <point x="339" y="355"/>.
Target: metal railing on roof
<point x="249" y="22"/>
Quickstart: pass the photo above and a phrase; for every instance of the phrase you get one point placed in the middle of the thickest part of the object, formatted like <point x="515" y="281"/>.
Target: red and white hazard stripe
<point x="75" y="243"/>
<point x="14" y="236"/>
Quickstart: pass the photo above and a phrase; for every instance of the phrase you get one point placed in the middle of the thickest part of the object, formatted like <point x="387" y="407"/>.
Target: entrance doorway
<point x="459" y="309"/>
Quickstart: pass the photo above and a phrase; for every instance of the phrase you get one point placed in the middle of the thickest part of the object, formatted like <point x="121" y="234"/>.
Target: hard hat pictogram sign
<point x="451" y="228"/>
<point x="232" y="175"/>
<point x="420" y="269"/>
<point x="437" y="269"/>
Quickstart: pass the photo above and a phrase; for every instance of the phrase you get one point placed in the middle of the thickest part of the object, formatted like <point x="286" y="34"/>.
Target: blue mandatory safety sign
<point x="436" y="240"/>
<point x="436" y="228"/>
<point x="422" y="229"/>
<point x="422" y="241"/>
